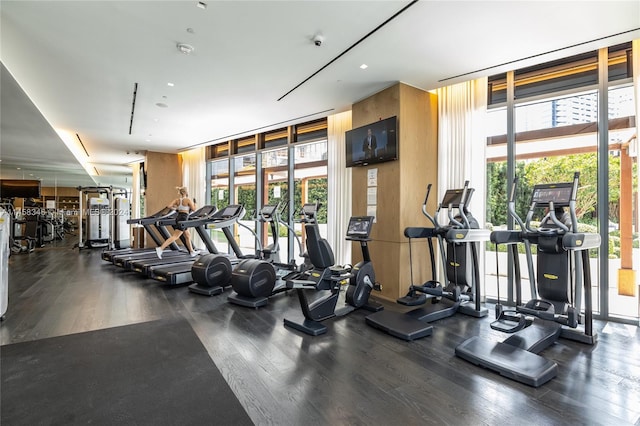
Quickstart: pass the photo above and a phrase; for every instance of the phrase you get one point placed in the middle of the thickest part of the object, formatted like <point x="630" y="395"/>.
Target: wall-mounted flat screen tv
<point x="16" y="188"/>
<point x="374" y="143"/>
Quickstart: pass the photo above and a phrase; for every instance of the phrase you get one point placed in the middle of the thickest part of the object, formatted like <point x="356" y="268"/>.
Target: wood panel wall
<point x="164" y="174"/>
<point x="401" y="185"/>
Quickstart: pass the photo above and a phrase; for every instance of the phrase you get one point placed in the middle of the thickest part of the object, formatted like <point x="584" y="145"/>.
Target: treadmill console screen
<point x="359" y="227"/>
<point x="230" y="211"/>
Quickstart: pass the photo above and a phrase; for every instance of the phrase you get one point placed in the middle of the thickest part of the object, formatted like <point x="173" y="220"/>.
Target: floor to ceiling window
<point x="556" y="130"/>
<point x="310" y="176"/>
<point x="219" y="177"/>
<point x="275" y="172"/>
<point x="244" y="187"/>
<point x="260" y="170"/>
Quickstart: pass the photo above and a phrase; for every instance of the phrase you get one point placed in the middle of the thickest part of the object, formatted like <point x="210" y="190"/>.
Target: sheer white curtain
<point x="462" y="140"/>
<point x="636" y="93"/>
<point x="194" y="178"/>
<point x="461" y="145"/>
<point x="339" y="181"/>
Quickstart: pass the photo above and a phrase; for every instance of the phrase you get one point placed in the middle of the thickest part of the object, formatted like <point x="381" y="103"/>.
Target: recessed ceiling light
<point x="156" y="120"/>
<point x="364" y="66"/>
<point x="162" y="105"/>
<point x="147" y="140"/>
<point x="18" y="168"/>
<point x="201" y="5"/>
<point x="170" y="84"/>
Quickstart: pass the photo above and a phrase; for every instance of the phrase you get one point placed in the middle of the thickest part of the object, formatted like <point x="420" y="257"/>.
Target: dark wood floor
<point x="352" y="375"/>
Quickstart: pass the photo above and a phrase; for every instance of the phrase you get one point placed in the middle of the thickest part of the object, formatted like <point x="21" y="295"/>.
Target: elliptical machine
<point x="461" y="293"/>
<point x="556" y="291"/>
<point x="326" y="276"/>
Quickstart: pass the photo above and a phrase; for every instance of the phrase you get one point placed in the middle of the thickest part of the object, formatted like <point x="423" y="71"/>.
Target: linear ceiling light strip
<point x="537" y="55"/>
<point x="395" y="15"/>
<point x="256" y="130"/>
<point x="133" y="106"/>
<point x="82" y="145"/>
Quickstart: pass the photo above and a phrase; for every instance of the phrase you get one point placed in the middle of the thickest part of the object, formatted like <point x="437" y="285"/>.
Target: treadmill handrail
<point x="194" y="221"/>
<point x="150" y="220"/>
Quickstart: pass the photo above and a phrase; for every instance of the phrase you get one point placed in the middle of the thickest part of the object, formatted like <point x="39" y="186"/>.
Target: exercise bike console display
<point x="359" y="227"/>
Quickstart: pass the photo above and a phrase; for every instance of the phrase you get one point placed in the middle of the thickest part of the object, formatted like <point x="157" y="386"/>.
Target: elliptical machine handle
<point x="554" y="218"/>
<point x="424" y="208"/>
<point x="511" y="206"/>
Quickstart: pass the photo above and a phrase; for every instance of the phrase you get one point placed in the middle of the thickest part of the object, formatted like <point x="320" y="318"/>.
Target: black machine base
<point x="373" y="306"/>
<point x="206" y="290"/>
<point x="435" y="311"/>
<point x="510" y="361"/>
<point x="470" y="310"/>
<point x="399" y="325"/>
<point x="249" y="302"/>
<point x="211" y="273"/>
<point x="578" y="335"/>
<point x="313" y="328"/>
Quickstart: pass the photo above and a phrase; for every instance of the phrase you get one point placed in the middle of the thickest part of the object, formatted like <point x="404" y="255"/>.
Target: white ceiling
<point x="76" y="64"/>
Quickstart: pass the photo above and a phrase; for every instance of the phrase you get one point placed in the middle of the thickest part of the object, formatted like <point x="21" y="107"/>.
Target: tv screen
<point x="16" y="188"/>
<point x="374" y="143"/>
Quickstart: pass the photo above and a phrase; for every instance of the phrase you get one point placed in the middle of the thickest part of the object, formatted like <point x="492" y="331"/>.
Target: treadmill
<point x="148" y="223"/>
<point x="125" y="260"/>
<point x="180" y="273"/>
<point x="195" y="221"/>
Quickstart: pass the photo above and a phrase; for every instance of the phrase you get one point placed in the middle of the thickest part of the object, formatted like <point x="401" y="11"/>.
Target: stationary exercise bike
<point x="328" y="277"/>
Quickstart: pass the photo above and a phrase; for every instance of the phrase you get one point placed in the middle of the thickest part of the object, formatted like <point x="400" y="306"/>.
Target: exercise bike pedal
<point x="409" y="300"/>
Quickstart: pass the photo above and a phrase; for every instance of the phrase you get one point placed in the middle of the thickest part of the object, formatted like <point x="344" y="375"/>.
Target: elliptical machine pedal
<point x="413" y="300"/>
